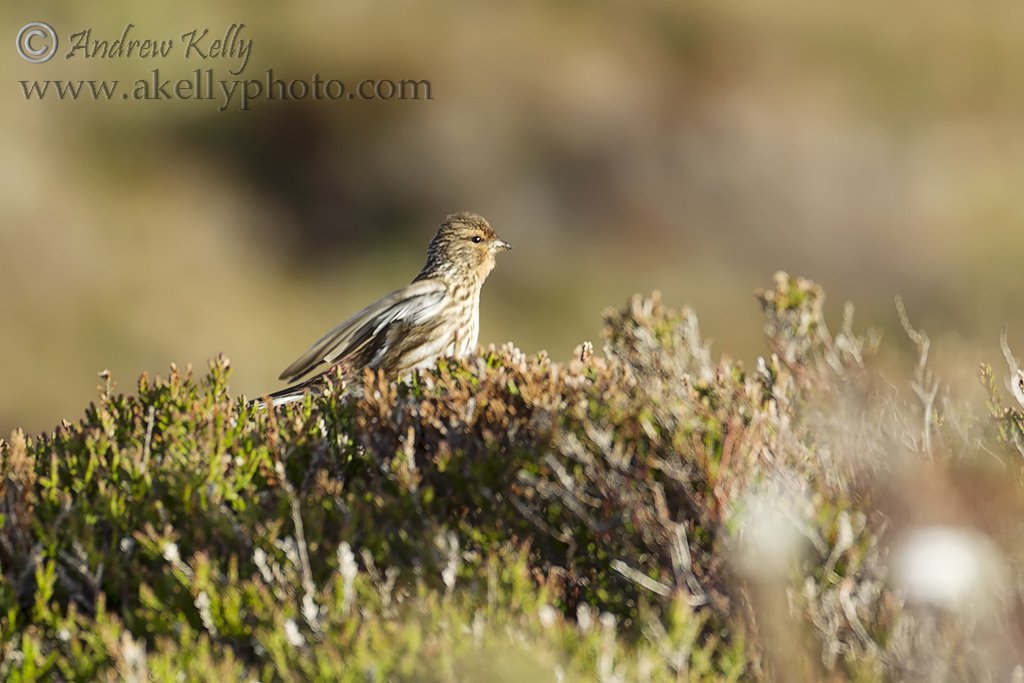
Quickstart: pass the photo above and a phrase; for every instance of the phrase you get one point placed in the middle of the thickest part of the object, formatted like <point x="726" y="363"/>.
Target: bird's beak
<point x="501" y="245"/>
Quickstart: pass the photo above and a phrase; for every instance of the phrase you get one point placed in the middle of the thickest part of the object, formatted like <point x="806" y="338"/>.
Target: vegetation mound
<point x="643" y="512"/>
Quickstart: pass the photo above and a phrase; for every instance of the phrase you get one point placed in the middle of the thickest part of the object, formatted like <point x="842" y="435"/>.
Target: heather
<point x="645" y="511"/>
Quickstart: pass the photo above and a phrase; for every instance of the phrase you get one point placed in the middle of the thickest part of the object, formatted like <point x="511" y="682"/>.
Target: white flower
<point x="310" y="610"/>
<point x="349" y="570"/>
<point x="205" y="614"/>
<point x="772" y="529"/>
<point x="171" y="553"/>
<point x="291" y="632"/>
<point x="584" y="617"/>
<point x="949" y="567"/>
<point x="547" y="616"/>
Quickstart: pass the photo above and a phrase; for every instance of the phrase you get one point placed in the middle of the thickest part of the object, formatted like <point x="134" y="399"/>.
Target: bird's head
<point x="465" y="246"/>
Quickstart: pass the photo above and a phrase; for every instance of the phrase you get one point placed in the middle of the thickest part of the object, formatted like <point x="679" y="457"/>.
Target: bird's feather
<point x="412" y="304"/>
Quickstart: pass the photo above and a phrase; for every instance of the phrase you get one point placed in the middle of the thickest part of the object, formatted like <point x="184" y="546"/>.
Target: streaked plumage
<point x="437" y="315"/>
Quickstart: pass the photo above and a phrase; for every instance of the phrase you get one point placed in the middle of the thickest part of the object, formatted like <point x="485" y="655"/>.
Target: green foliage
<point x="498" y="514"/>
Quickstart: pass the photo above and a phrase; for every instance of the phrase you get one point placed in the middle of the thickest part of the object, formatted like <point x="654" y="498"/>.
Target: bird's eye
<point x="476" y="239"/>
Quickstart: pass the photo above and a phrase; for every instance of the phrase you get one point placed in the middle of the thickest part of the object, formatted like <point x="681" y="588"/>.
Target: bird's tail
<point x="281" y="397"/>
<point x="315" y="386"/>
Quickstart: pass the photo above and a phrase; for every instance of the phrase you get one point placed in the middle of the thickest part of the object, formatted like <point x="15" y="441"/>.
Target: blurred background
<point x="692" y="147"/>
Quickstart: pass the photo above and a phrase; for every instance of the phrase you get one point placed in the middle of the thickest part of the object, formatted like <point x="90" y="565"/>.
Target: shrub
<point x="642" y="513"/>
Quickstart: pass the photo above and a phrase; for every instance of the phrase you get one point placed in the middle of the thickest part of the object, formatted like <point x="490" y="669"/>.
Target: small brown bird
<point x="437" y="315"/>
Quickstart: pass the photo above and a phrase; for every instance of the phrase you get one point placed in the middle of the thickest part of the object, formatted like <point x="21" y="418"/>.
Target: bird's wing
<point x="414" y="303"/>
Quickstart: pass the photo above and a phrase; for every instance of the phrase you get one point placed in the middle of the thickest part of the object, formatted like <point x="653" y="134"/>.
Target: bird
<point x="435" y="316"/>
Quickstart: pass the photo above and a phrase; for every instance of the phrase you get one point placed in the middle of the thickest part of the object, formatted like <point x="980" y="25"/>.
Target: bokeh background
<point x="693" y="147"/>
